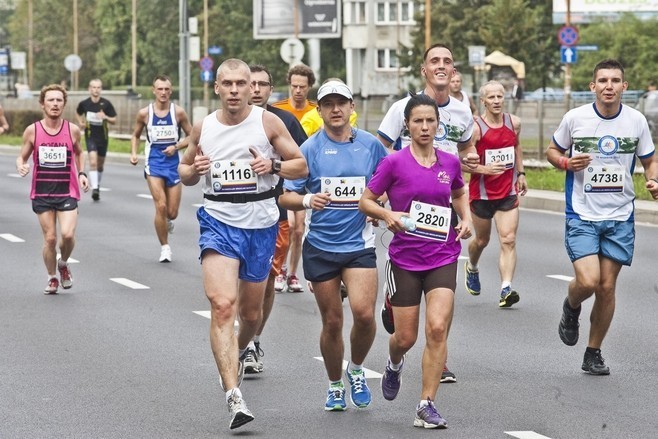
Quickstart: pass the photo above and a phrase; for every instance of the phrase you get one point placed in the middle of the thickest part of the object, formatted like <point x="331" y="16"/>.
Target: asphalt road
<point x="125" y="352"/>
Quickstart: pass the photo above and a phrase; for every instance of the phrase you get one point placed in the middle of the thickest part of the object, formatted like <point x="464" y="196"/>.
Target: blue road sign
<point x="568" y="36"/>
<point x="206" y="76"/>
<point x="587" y="48"/>
<point x="214" y="50"/>
<point x="568" y="55"/>
<point x="206" y="63"/>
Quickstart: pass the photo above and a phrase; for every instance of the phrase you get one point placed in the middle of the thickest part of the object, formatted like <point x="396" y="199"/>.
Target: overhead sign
<point x="214" y="50"/>
<point x="206" y="63"/>
<point x="568" y="36"/>
<point x="276" y="19"/>
<point x="587" y="48"/>
<point x="589" y="11"/>
<point x="568" y="55"/>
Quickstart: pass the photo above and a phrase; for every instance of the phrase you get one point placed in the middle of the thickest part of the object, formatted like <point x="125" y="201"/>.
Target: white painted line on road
<point x="560" y="277"/>
<point x="129" y="283"/>
<point x="105" y="189"/>
<point x="526" y="435"/>
<point x="197" y="205"/>
<point x="11" y="238"/>
<point x="206" y="314"/>
<point x="145" y="196"/>
<point x="70" y="261"/>
<point x="14" y="175"/>
<point x="369" y="373"/>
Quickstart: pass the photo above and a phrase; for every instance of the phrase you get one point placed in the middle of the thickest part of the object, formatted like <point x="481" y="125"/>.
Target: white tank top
<point x="227" y="146"/>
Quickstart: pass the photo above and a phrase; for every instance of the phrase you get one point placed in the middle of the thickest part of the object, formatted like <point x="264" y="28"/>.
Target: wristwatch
<point x="276" y="166"/>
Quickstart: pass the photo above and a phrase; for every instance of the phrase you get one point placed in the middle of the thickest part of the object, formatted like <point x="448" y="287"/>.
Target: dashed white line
<point x="11" y="238"/>
<point x="147" y="196"/>
<point x="526" y="435"/>
<point x="560" y="277"/>
<point x="129" y="283"/>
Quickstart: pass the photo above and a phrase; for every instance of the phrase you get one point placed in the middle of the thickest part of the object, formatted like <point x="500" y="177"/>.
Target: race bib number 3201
<point x="345" y="192"/>
<point x="233" y="177"/>
<point x="502" y="155"/>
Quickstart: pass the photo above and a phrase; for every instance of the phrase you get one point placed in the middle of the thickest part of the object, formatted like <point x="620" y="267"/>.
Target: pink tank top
<point x="55" y="174"/>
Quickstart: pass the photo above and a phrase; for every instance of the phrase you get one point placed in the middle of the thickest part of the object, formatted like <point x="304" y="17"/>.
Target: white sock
<point x="505" y="284"/>
<point x="93" y="177"/>
<point x="256" y="339"/>
<point x="352" y="367"/>
<point x="235" y="392"/>
<point x="62" y="263"/>
<point x="422" y="403"/>
<point x="472" y="267"/>
<point x="338" y="384"/>
<point x="394" y="367"/>
<point x="166" y="246"/>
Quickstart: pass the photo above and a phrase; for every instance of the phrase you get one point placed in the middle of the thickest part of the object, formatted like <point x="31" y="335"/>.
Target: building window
<point x="394" y="12"/>
<point x="355" y="12"/>
<point x="387" y="59"/>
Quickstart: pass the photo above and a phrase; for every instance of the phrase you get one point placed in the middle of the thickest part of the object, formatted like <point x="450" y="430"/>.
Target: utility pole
<point x="428" y="23"/>
<point x="205" y="50"/>
<point x="133" y="33"/>
<point x="183" y="61"/>
<point x="30" y="44"/>
<point x="567" y="68"/>
<point x="74" y="83"/>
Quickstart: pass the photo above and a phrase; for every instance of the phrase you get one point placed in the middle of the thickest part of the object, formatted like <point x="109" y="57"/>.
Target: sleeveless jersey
<point x="455" y="125"/>
<point x="228" y="149"/>
<point x="495" y="143"/>
<point x="55" y="174"/>
<point x="604" y="190"/>
<point x="161" y="132"/>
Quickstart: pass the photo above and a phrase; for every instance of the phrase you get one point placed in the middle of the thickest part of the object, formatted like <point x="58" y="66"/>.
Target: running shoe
<point x="428" y="417"/>
<point x="95" y="194"/>
<point x="65" y="276"/>
<point x="280" y="283"/>
<point x="359" y="391"/>
<point x="170" y="226"/>
<point x="472" y="280"/>
<point x="447" y="376"/>
<point x="165" y="254"/>
<point x="508" y="297"/>
<point x="293" y="284"/>
<point x="252" y="363"/>
<point x="335" y="400"/>
<point x="594" y="363"/>
<point x="568" y="328"/>
<point x="52" y="286"/>
<point x="391" y="382"/>
<point x="387" y="315"/>
<point x="238" y="410"/>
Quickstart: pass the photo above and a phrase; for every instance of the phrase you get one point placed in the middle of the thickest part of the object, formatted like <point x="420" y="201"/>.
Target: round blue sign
<point x="568" y="35"/>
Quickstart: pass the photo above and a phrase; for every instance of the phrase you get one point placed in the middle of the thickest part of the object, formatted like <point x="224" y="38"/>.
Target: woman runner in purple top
<point x="420" y="182"/>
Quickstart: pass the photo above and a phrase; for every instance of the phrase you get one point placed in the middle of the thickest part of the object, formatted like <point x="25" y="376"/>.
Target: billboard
<point x="586" y="11"/>
<point x="280" y="19"/>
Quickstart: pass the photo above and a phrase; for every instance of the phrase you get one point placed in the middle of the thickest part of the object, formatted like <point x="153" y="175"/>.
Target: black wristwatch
<point x="276" y="166"/>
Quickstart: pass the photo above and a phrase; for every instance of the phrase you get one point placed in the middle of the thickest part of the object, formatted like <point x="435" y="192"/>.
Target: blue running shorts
<point x="254" y="248"/>
<point x="614" y="240"/>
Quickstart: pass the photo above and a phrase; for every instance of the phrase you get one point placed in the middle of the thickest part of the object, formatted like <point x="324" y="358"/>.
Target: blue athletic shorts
<point x="254" y="248"/>
<point x="614" y="240"/>
<point x="320" y="266"/>
<point x="162" y="166"/>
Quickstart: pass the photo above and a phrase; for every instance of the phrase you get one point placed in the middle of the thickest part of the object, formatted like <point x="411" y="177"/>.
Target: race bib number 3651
<point x="52" y="156"/>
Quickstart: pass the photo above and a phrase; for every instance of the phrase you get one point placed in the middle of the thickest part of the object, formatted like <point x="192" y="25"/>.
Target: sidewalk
<point x="646" y="212"/>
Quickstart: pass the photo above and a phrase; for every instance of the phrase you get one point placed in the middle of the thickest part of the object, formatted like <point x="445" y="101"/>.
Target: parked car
<point x="547" y="94"/>
<point x="648" y="105"/>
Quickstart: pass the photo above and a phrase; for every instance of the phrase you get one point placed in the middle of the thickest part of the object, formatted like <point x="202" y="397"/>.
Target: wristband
<point x="306" y="202"/>
<point x="81" y="174"/>
<point x="520" y="173"/>
<point x="563" y="163"/>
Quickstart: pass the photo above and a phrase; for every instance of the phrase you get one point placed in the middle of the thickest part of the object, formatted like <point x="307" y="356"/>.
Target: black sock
<point x="569" y="308"/>
<point x="592" y="351"/>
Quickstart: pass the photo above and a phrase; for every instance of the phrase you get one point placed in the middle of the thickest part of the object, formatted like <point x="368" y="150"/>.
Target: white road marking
<point x="70" y="261"/>
<point x="197" y="205"/>
<point x="206" y="314"/>
<point x="369" y="373"/>
<point x="526" y="435"/>
<point x="105" y="189"/>
<point x="148" y="196"/>
<point x="560" y="277"/>
<point x="11" y="238"/>
<point x="14" y="175"/>
<point x="129" y="283"/>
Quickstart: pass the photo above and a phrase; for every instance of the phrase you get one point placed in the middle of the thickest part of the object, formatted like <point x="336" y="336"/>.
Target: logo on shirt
<point x="331" y="151"/>
<point x="443" y="177"/>
<point x="608" y="145"/>
<point x="441" y="132"/>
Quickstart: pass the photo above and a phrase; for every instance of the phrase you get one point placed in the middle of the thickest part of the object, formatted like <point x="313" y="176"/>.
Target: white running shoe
<point x="280" y="284"/>
<point x="165" y="254"/>
<point x="170" y="226"/>
<point x="238" y="410"/>
<point x="66" y="278"/>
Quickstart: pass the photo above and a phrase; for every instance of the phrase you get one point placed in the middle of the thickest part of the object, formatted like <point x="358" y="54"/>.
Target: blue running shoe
<point x="359" y="391"/>
<point x="391" y="382"/>
<point x="335" y="400"/>
<point x="508" y="297"/>
<point x="472" y="280"/>
<point x="428" y="417"/>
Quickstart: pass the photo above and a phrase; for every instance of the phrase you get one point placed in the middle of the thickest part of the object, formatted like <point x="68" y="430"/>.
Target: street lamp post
<point x="184" y="56"/>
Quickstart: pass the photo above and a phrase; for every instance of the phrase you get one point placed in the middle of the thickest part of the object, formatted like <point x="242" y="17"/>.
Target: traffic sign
<point x="568" y="55"/>
<point x="568" y="36"/>
<point x="72" y="63"/>
<point x="214" y="50"/>
<point x="206" y="63"/>
<point x="476" y="55"/>
<point x="292" y="51"/>
<point x="587" y="48"/>
<point x="206" y="76"/>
